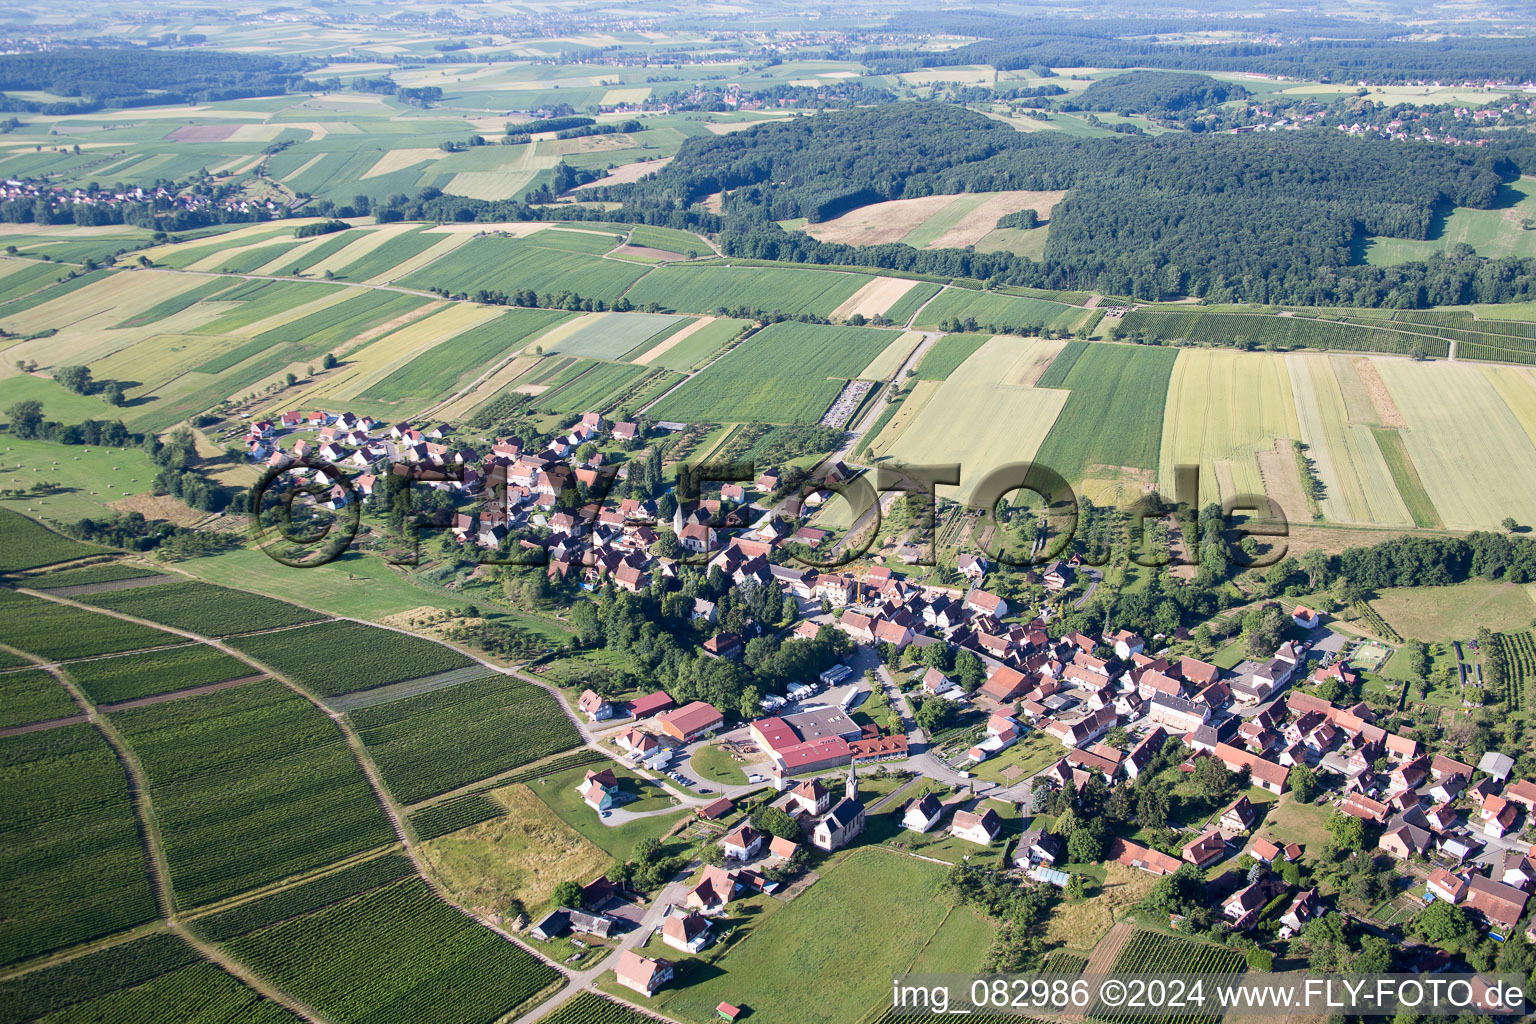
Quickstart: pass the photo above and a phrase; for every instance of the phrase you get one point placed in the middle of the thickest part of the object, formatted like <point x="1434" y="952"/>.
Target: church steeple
<point x="851" y="791"/>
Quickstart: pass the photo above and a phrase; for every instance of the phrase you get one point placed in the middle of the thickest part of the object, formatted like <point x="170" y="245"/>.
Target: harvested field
<point x="890" y="359"/>
<point x="628" y="173"/>
<point x="203" y="133"/>
<point x="1387" y="413"/>
<point x="931" y="222"/>
<point x="399" y="159"/>
<point x="922" y="393"/>
<point x="879" y="223"/>
<point x="874" y="298"/>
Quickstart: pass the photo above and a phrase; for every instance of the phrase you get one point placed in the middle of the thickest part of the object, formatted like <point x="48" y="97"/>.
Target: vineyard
<point x="452" y="815"/>
<point x="109" y="680"/>
<point x="199" y="992"/>
<point x="1373" y="621"/>
<point x="202" y="608"/>
<point x="1266" y="330"/>
<point x="30" y="545"/>
<point x="105" y="572"/>
<point x="69" y="843"/>
<point x="396" y="955"/>
<point x="303" y="899"/>
<point x="57" y="631"/>
<point x="591" y="1008"/>
<point x="33" y="695"/>
<point x="1156" y="953"/>
<point x="1061" y="962"/>
<point x="300" y="801"/>
<point x="575" y="759"/>
<point x="338" y="657"/>
<point x="1519" y="667"/>
<point x="449" y="738"/>
<point x="41" y="992"/>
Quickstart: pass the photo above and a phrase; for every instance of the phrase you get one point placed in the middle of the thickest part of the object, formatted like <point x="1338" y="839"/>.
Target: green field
<point x="1406" y="478"/>
<point x="1267" y="330"/>
<point x="592" y="389"/>
<point x="1001" y="313"/>
<point x="451" y="737"/>
<point x="670" y="239"/>
<point x="92" y="975"/>
<point x="443" y="368"/>
<point x="32" y="695"/>
<point x="57" y="631"/>
<point x="698" y="346"/>
<point x="710" y="288"/>
<point x="130" y="676"/>
<point x="302" y="801"/>
<point x="388" y="256"/>
<point x="396" y="955"/>
<point x="201" y="991"/>
<point x="304" y="898"/>
<point x="101" y="572"/>
<point x="903" y="309"/>
<point x="1492" y="233"/>
<point x="202" y="607"/>
<point x="508" y="264"/>
<point x="1113" y="419"/>
<point x="860" y="923"/>
<point x="333" y="658"/>
<point x="75" y="868"/>
<point x="947" y="354"/>
<point x="785" y="373"/>
<point x="611" y="335"/>
<point x="30" y="545"/>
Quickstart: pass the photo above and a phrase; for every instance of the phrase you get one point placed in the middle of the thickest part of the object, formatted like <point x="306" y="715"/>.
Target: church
<point x="844" y="822"/>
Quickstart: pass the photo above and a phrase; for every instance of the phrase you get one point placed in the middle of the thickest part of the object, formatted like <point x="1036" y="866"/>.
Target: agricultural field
<point x="1109" y="431"/>
<point x="396" y="955"/>
<point x="1223" y="409"/>
<point x="509" y="264"/>
<point x="43" y="991"/>
<point x="1493" y="233"/>
<point x="333" y="658"/>
<point x="454" y="815"/>
<point x="304" y="898"/>
<point x="202" y="607"/>
<point x="302" y="802"/>
<point x="710" y="288"/>
<point x="1148" y="952"/>
<point x="785" y="373"/>
<point x="667" y="239"/>
<point x="690" y="347"/>
<point x="931" y="222"/>
<point x="201" y="991"/>
<point x="1449" y="613"/>
<point x="449" y="738"/>
<point x="75" y="868"/>
<point x="998" y="311"/>
<point x="521" y="851"/>
<point x="946" y="355"/>
<point x="860" y="923"/>
<point x="591" y="1008"/>
<point x="1325" y="330"/>
<point x="30" y="545"/>
<point x="101" y="572"/>
<point x="57" y="631"/>
<point x="32" y="695"/>
<point x="959" y="424"/>
<point x="891" y="358"/>
<point x="607" y="335"/>
<point x="131" y="676"/>
<point x="594" y="387"/>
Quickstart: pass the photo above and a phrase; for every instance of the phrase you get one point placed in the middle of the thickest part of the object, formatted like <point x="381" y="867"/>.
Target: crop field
<point x="396" y="955"/>
<point x="960" y="423"/>
<point x="46" y="990"/>
<point x="907" y="306"/>
<point x="785" y="373"/>
<point x="202" y="607"/>
<point x="891" y="358"/>
<point x="1264" y="330"/>
<point x="1154" y="953"/>
<point x="444" y="367"/>
<point x="710" y="288"/>
<point x="32" y="695"/>
<point x="872" y="300"/>
<point x="888" y="902"/>
<point x="30" y="545"/>
<point x="610" y="335"/>
<point x="333" y="658"/>
<point x="934" y="222"/>
<point x="1357" y="485"/>
<point x="1476" y="467"/>
<point x="101" y="572"/>
<point x="594" y="388"/>
<point x="948" y="353"/>
<point x="1113" y="420"/>
<point x="996" y="311"/>
<point x="694" y="344"/>
<point x="452" y="815"/>
<point x="1223" y="408"/>
<point x="56" y="631"/>
<point x="130" y="676"/>
<point x="591" y="1008"/>
<point x="1405" y="477"/>
<point x="304" y="898"/>
<point x="669" y="239"/>
<point x="388" y="254"/>
<point x="508" y="264"/>
<point x="1492" y="233"/>
<point x="201" y="991"/>
<point x="75" y="868"/>
<point x="439" y="741"/>
<point x="302" y="801"/>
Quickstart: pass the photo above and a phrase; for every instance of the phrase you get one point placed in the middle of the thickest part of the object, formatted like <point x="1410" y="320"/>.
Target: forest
<point x="1266" y="217"/>
<point x="1158" y="93"/>
<point x="1299" y="45"/>
<point x="136" y="77"/>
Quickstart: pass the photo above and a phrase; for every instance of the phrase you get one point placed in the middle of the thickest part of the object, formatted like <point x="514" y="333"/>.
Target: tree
<point x="1086" y="844"/>
<point x="1347" y="830"/>
<point x="970" y="671"/>
<point x="327" y="362"/>
<point x="1315" y="564"/>
<point x="1509" y="524"/>
<point x="568" y="895"/>
<point x="1263" y="629"/>
<point x="25" y="418"/>
<point x="74" y="378"/>
<point x="1303" y="782"/>
<point x="777" y="823"/>
<point x="112" y="394"/>
<point x="291" y="379"/>
<point x="1213" y="778"/>
<point x="1443" y="924"/>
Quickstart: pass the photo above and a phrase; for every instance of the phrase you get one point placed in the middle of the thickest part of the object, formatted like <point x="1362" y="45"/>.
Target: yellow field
<point x="614" y="97"/>
<point x="879" y="295"/>
<point x="421" y="259"/>
<point x="945" y="221"/>
<point x="980" y="422"/>
<point x="666" y="346"/>
<point x="1472" y="451"/>
<point x="374" y="362"/>
<point x="1223" y="407"/>
<point x="399" y="159"/>
<point x="1358" y="485"/>
<point x="358" y="248"/>
<point x="83" y="318"/>
<point x="885" y="365"/>
<point x="488" y="184"/>
<point x="922" y="393"/>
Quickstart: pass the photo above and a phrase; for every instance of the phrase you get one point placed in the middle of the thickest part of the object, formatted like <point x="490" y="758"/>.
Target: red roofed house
<point x="1205" y="850"/>
<point x="691" y="721"/>
<point x="1523" y="793"/>
<point x="986" y="604"/>
<point x="597" y="789"/>
<point x="641" y="973"/>
<point x="1501" y="905"/>
<point x="1362" y="806"/>
<point x="742" y="843"/>
<point x="650" y="704"/>
<point x="1005" y="685"/>
<point x="1447" y="886"/>
<point x="1132" y="855"/>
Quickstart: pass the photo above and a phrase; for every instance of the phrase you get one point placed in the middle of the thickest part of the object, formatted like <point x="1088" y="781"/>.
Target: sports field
<point x="980" y="417"/>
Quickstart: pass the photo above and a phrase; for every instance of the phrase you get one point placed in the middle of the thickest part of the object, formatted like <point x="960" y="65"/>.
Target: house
<point x="1362" y="806"/>
<point x="714" y="892"/>
<point x="1518" y="869"/>
<point x="1264" y="851"/>
<point x="594" y="706"/>
<point x="703" y="611"/>
<point x="650" y="704"/>
<point x="1500" y="905"/>
<point x="742" y="843"/>
<point x="983" y="603"/>
<point x="1142" y="858"/>
<point x="600" y="925"/>
<point x="1404" y="841"/>
<point x="972" y="567"/>
<point x="1441" y="766"/>
<point x="691" y="721"/>
<point x="637" y="743"/>
<point x="1522" y="792"/>
<point x="1141" y="754"/>
<point x="1242" y="907"/>
<point x="1038" y="846"/>
<point x="1496" y="765"/>
<point x="844" y="822"/>
<point x="1239" y="816"/>
<point x="936" y="682"/>
<point x="1205" y="850"/>
<point x="1302" y="909"/>
<point x="976" y="828"/>
<point x="1265" y="774"/>
<point x="810" y="797"/>
<point x="716" y="809"/>
<point x="1005" y="685"/>
<point x="687" y="932"/>
<point x="1497" y="816"/>
<point x="1126" y="644"/>
<point x="642" y="973"/>
<point x="598" y="789"/>
<point x="724" y="645"/>
<point x="782" y="849"/>
<point x="1457" y="848"/>
<point x="1176" y="714"/>
<point x="922" y="814"/>
<point x="1305" y="617"/>
<point x="1440" y="817"/>
<point x="1447" y="886"/>
<point x="1447" y="789"/>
